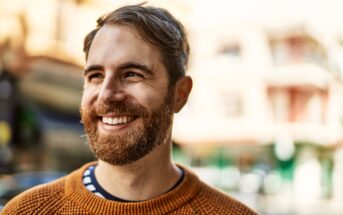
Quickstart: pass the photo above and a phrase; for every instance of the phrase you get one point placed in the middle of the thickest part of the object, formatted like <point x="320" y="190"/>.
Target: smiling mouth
<point x="119" y="120"/>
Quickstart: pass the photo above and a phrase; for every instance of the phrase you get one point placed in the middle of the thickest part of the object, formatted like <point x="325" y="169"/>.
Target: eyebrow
<point x="133" y="65"/>
<point x="91" y="68"/>
<point x="128" y="65"/>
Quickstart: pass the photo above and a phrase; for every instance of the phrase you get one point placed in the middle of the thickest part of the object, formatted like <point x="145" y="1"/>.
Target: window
<point x="294" y="104"/>
<point x="297" y="49"/>
<point x="231" y="53"/>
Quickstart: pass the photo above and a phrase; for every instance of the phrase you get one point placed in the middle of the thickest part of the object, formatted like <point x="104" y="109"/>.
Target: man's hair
<point x="157" y="27"/>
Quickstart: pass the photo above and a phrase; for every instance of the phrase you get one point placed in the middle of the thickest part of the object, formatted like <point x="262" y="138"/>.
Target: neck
<point x="144" y="179"/>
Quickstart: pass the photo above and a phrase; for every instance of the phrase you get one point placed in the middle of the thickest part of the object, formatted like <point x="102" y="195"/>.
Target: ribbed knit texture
<point x="68" y="195"/>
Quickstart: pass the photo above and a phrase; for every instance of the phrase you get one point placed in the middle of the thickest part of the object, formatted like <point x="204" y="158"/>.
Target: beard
<point x="136" y="142"/>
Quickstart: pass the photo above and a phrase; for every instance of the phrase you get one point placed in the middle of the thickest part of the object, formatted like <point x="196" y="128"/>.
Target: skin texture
<point x="124" y="75"/>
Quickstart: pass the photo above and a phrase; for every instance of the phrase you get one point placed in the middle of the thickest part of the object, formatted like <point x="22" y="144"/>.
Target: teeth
<point x="116" y="120"/>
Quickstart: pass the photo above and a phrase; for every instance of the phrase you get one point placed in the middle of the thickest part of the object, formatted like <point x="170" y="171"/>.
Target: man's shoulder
<point x="35" y="198"/>
<point x="214" y="201"/>
<point x="205" y="199"/>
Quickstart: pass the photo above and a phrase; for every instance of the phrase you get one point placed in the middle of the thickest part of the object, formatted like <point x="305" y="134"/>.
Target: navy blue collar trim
<point x="107" y="195"/>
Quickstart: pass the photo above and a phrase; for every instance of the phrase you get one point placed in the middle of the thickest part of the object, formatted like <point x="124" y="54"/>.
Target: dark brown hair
<point x="156" y="26"/>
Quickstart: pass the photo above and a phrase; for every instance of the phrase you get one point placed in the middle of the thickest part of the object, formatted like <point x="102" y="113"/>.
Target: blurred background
<point x="264" y="122"/>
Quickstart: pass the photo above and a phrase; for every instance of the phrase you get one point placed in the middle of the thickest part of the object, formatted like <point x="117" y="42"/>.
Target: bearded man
<point x="134" y="81"/>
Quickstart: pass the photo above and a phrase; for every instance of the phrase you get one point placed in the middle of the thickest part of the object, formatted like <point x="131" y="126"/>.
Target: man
<point x="134" y="81"/>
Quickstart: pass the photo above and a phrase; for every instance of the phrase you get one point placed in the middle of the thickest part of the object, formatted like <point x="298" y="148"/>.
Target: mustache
<point x="120" y="108"/>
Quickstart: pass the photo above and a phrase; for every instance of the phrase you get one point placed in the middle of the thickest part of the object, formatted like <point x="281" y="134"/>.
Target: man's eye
<point x="94" y="76"/>
<point x="134" y="76"/>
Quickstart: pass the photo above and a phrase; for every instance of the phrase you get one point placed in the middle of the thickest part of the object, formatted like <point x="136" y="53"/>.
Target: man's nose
<point x="111" y="90"/>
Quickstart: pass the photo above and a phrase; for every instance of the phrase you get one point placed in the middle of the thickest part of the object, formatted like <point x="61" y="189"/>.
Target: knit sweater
<point x="68" y="195"/>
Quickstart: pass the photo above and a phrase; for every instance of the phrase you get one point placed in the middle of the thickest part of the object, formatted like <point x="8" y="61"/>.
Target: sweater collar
<point x="162" y="204"/>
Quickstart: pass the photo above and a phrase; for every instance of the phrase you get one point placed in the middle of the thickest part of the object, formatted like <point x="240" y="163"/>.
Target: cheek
<point x="88" y="97"/>
<point x="149" y="97"/>
<point x="83" y="102"/>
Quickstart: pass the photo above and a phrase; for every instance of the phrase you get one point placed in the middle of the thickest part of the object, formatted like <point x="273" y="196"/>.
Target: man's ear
<point x="182" y="89"/>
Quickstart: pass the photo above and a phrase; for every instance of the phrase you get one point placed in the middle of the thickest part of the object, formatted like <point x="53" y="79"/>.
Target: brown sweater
<point x="68" y="195"/>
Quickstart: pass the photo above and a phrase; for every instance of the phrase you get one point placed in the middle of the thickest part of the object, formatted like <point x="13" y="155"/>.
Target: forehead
<point x="118" y="43"/>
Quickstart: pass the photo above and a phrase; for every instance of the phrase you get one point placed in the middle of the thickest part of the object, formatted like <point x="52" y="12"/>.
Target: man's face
<point x="126" y="107"/>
